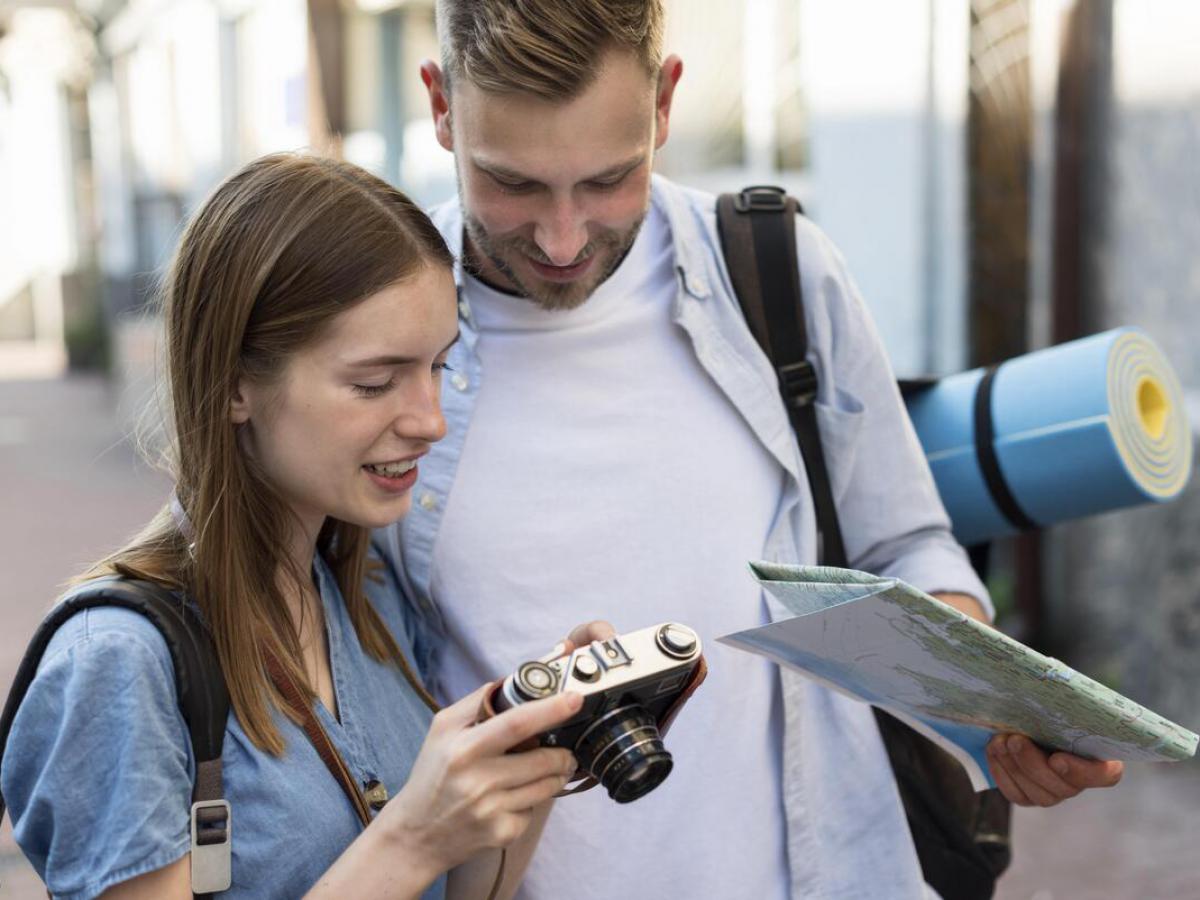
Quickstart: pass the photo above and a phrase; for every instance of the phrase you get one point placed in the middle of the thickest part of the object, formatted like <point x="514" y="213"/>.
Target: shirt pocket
<point x="840" y="422"/>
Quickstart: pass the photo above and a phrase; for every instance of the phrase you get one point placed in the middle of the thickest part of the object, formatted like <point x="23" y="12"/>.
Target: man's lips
<point x="561" y="273"/>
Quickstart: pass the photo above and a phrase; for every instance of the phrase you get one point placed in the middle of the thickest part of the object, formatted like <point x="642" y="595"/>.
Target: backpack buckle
<point x="798" y="382"/>
<point x="763" y="197"/>
<point x="212" y="846"/>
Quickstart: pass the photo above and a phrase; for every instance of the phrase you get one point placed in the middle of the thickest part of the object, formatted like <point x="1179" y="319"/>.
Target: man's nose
<point x="561" y="233"/>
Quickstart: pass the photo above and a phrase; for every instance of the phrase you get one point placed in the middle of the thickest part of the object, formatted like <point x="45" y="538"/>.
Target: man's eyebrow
<point x="501" y="171"/>
<point x="390" y="360"/>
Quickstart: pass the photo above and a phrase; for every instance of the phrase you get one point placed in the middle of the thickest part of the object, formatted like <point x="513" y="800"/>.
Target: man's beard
<point x="609" y="246"/>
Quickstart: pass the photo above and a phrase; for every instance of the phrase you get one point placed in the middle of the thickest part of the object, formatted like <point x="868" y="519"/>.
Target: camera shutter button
<point x="586" y="668"/>
<point x="677" y="640"/>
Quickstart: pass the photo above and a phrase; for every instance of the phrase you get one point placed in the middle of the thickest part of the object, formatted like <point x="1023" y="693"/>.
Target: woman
<point x="309" y="311"/>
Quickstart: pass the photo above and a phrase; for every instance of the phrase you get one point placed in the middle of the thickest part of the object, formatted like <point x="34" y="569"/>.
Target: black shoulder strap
<point x="961" y="838"/>
<point x="199" y="682"/>
<point x="758" y="239"/>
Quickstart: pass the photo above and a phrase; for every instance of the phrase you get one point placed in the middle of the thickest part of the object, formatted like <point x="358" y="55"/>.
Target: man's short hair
<point x="549" y="48"/>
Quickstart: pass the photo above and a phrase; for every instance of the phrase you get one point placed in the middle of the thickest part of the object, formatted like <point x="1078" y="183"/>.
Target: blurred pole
<point x="1081" y="125"/>
<point x="327" y="77"/>
<point x="999" y="150"/>
<point x="391" y="97"/>
<point x="760" y="78"/>
<point x="931" y="204"/>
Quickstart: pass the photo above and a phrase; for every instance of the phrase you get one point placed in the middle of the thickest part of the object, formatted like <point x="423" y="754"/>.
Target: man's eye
<point x="607" y="184"/>
<point x="513" y="187"/>
<point x="374" y="390"/>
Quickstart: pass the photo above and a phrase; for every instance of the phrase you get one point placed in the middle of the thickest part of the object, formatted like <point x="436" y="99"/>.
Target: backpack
<point x="203" y="700"/>
<point x="961" y="837"/>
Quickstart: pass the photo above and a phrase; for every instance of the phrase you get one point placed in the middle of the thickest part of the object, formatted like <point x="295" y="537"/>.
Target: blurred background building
<point x="1000" y="174"/>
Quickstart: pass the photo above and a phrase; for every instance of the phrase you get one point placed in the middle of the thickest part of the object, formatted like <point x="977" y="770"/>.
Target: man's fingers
<point x="1087" y="773"/>
<point x="1003" y="778"/>
<point x="520" y="723"/>
<point x="1040" y="782"/>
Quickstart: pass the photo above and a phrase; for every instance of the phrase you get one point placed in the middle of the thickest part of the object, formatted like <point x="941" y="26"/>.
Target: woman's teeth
<point x="391" y="470"/>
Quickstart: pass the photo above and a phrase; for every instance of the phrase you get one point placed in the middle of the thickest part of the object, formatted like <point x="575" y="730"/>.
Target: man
<point x="617" y="448"/>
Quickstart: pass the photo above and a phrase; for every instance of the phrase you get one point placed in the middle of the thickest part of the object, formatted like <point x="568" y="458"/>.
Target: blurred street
<point x="72" y="488"/>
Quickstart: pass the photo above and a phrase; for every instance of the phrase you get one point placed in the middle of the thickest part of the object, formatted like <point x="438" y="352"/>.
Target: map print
<point x="954" y="679"/>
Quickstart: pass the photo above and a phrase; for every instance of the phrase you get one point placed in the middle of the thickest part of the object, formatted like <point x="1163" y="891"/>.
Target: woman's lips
<point x="397" y="485"/>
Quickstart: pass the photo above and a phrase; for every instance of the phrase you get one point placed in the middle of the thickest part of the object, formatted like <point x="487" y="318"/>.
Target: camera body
<point x="631" y="686"/>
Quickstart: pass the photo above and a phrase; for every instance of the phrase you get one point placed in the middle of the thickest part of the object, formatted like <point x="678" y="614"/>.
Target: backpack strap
<point x="758" y="239"/>
<point x="961" y="837"/>
<point x="203" y="701"/>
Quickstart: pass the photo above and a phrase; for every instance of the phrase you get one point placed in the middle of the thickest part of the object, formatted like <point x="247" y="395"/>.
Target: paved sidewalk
<point x="71" y="489"/>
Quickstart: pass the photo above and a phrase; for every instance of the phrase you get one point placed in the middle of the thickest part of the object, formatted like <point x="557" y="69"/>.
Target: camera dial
<point x="677" y="640"/>
<point x="535" y="680"/>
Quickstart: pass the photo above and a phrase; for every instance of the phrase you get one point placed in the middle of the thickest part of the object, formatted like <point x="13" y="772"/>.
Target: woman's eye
<point x="442" y="367"/>
<point x="374" y="390"/>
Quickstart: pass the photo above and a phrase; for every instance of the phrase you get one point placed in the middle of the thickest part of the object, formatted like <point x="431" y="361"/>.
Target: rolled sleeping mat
<point x="1085" y="427"/>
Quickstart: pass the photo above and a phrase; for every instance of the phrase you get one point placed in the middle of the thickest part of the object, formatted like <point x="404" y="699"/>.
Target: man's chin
<point x="557" y="295"/>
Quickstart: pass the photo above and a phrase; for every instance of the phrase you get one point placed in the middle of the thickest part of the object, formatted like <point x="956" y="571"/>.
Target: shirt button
<point x="459" y="381"/>
<point x="375" y="794"/>
<point x="428" y="501"/>
<point x="463" y="309"/>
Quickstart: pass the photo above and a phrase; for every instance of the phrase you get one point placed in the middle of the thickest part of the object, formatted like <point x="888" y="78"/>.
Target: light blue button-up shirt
<point x="99" y="768"/>
<point x="847" y="836"/>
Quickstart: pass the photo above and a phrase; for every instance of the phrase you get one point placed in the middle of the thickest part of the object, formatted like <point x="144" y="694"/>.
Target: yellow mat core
<point x="1152" y="407"/>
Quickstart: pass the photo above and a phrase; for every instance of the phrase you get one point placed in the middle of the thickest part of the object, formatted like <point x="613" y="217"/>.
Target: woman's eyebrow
<point x="392" y="360"/>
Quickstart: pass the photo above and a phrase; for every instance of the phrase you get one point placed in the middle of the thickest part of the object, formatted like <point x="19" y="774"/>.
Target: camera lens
<point x="624" y="752"/>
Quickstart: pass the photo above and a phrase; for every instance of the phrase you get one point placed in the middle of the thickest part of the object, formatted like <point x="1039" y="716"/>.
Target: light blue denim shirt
<point x="847" y="836"/>
<point x="99" y="768"/>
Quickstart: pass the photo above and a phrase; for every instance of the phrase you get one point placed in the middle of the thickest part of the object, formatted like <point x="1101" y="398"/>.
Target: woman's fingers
<point x="513" y="770"/>
<point x="505" y="731"/>
<point x="535" y="793"/>
<point x="582" y="635"/>
<point x="462" y="713"/>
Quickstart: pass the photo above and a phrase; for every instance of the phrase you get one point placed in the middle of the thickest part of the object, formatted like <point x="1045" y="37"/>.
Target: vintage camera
<point x="630" y="685"/>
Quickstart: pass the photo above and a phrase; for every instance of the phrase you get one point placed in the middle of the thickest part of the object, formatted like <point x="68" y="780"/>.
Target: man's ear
<point x="439" y="102"/>
<point x="668" y="77"/>
<point x="239" y="404"/>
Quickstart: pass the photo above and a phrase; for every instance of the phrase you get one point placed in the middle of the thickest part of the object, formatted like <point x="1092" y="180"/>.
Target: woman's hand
<point x="581" y="635"/>
<point x="466" y="792"/>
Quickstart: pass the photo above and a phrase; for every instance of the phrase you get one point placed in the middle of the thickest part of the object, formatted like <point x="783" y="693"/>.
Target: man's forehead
<point x="613" y="115"/>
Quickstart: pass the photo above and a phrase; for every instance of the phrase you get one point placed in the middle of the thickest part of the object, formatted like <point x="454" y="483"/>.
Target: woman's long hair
<point x="273" y="255"/>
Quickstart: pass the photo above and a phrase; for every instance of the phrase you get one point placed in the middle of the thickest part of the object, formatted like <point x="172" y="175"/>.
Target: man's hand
<point x="964" y="603"/>
<point x="1029" y="776"/>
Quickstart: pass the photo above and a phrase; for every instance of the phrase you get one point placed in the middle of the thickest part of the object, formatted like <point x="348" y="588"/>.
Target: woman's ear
<point x="239" y="405"/>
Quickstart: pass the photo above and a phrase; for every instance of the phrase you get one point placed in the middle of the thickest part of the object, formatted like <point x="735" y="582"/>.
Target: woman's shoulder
<point x="97" y="771"/>
<point x="109" y="636"/>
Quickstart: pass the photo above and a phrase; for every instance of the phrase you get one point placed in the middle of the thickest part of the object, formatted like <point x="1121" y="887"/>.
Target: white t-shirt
<point x="605" y="475"/>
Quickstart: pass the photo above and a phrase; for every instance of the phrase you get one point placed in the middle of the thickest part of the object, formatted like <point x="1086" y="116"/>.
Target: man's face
<point x="553" y="193"/>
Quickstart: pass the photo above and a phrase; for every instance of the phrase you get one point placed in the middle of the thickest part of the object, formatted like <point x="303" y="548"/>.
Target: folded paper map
<point x="954" y="679"/>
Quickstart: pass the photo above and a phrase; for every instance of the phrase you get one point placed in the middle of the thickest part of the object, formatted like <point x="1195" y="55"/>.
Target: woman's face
<point x="341" y="432"/>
